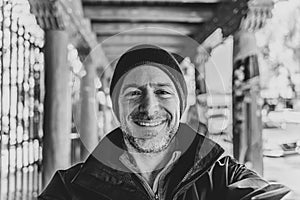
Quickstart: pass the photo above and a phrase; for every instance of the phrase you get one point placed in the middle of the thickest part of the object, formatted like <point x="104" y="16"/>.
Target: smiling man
<point x="149" y="109"/>
<point x="152" y="155"/>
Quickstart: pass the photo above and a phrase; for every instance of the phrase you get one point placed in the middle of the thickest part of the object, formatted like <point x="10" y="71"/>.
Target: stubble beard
<point x="149" y="145"/>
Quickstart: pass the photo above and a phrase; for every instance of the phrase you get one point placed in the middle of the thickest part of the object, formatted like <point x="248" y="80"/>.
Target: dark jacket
<point x="199" y="174"/>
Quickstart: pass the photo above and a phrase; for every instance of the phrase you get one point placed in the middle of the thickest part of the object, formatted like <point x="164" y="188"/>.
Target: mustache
<point x="145" y="116"/>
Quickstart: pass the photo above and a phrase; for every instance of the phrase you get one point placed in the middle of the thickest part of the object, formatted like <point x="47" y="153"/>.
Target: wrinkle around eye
<point x="164" y="93"/>
<point x="132" y="94"/>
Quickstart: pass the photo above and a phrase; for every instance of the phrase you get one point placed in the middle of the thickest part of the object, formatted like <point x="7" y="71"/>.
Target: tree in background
<point x="279" y="42"/>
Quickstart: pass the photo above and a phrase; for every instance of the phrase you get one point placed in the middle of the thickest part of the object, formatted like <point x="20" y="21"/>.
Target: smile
<point x="149" y="123"/>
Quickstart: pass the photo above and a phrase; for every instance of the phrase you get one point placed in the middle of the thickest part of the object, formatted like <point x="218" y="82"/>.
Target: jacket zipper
<point x="146" y="186"/>
<point x="144" y="183"/>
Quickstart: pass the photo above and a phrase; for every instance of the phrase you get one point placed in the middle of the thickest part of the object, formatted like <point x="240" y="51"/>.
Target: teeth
<point x="149" y="123"/>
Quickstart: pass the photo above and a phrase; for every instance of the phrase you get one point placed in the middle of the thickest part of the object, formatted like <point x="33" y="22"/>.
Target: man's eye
<point x="134" y="93"/>
<point x="162" y="92"/>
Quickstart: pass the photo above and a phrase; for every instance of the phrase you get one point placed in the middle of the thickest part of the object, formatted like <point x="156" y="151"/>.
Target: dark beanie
<point x="152" y="55"/>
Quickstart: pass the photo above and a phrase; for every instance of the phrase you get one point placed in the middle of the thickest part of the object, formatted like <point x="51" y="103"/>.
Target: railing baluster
<point x="14" y="99"/>
<point x="7" y="22"/>
<point x="1" y="104"/>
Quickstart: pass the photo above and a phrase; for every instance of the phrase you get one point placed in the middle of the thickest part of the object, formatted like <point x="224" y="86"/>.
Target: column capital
<point x="47" y="14"/>
<point x="258" y="13"/>
<point x="68" y="15"/>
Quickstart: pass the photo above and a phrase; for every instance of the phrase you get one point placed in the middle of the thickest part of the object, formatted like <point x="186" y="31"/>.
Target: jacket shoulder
<point x="59" y="186"/>
<point x="244" y="183"/>
<point x="236" y="172"/>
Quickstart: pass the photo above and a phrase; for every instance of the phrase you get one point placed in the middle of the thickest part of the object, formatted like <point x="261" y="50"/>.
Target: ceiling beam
<point x="116" y="45"/>
<point x="151" y="1"/>
<point x="157" y="28"/>
<point x="117" y="49"/>
<point x="128" y="39"/>
<point x="113" y="53"/>
<point x="227" y="17"/>
<point x="148" y="14"/>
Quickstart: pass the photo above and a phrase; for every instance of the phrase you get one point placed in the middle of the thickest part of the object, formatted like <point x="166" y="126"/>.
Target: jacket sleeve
<point x="245" y="184"/>
<point x="56" y="189"/>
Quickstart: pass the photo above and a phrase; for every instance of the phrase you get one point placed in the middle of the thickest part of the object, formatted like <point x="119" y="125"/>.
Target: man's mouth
<point x="150" y="123"/>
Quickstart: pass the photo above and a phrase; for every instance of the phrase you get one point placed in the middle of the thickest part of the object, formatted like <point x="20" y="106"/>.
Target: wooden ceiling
<point x="177" y="25"/>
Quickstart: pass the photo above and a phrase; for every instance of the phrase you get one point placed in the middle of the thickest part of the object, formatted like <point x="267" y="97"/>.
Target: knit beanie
<point x="151" y="55"/>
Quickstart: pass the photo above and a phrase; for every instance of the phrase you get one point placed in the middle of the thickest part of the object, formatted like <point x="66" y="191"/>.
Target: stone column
<point x="59" y="23"/>
<point x="57" y="105"/>
<point x="57" y="118"/>
<point x="88" y="113"/>
<point x="247" y="124"/>
<point x="201" y="91"/>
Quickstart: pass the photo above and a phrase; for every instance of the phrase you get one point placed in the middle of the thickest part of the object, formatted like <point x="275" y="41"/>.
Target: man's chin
<point x="153" y="144"/>
<point x="149" y="140"/>
<point x="150" y="147"/>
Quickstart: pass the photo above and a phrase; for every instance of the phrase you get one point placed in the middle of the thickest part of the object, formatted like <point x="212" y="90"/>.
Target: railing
<point x="21" y="101"/>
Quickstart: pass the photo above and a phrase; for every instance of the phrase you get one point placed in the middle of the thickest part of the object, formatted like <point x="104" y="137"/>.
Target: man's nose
<point x="149" y="103"/>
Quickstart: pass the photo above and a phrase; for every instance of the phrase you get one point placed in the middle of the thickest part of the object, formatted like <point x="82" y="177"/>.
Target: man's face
<point x="149" y="109"/>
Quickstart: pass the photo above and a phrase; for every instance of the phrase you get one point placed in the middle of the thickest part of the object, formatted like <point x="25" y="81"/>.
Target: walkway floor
<point x="285" y="170"/>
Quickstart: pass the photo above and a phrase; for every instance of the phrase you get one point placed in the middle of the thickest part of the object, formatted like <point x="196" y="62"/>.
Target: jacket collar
<point x="103" y="170"/>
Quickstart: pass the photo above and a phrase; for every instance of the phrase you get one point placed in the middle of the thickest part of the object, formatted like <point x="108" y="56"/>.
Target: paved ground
<point x="285" y="169"/>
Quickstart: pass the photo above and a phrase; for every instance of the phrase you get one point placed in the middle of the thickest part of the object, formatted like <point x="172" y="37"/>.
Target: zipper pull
<point x="156" y="197"/>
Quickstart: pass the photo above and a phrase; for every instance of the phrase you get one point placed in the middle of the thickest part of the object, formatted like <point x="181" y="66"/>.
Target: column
<point x="88" y="115"/>
<point x="201" y="92"/>
<point x="57" y="22"/>
<point x="247" y="124"/>
<point x="57" y="118"/>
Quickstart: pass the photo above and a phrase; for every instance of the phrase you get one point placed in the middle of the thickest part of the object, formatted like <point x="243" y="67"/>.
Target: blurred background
<point x="240" y="58"/>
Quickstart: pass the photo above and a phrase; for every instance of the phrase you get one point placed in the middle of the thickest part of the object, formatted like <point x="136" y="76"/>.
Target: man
<point x="152" y="155"/>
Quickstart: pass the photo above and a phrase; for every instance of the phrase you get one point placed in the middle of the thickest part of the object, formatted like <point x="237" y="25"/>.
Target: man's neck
<point x="149" y="164"/>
